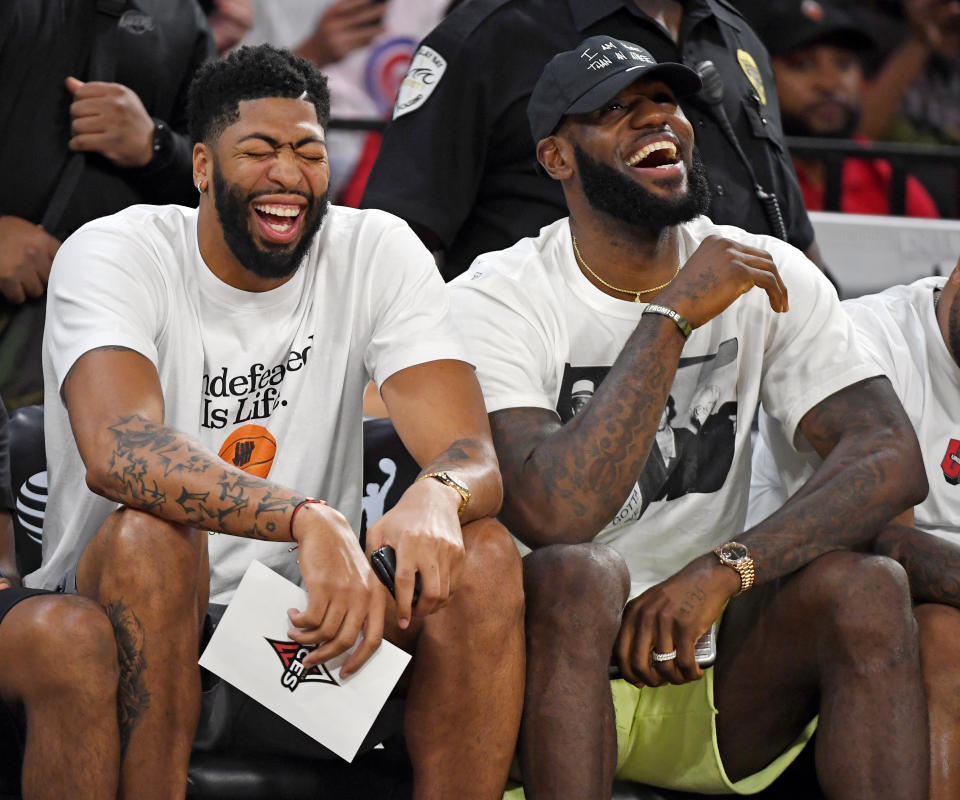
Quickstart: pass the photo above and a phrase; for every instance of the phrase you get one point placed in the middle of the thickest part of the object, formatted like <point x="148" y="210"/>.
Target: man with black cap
<point x="457" y="160"/>
<point x="816" y="51"/>
<point x="639" y="290"/>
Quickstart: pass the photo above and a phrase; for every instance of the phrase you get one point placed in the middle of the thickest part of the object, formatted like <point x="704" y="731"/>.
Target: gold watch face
<point x="733" y="551"/>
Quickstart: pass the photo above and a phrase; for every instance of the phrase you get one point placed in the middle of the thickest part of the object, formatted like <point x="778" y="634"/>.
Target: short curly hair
<point x="250" y="73"/>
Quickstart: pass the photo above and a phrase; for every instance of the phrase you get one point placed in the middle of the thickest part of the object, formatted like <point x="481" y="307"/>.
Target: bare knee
<point x="867" y="609"/>
<point x="140" y="557"/>
<point x="491" y="585"/>
<point x="576" y="588"/>
<point x="68" y="651"/>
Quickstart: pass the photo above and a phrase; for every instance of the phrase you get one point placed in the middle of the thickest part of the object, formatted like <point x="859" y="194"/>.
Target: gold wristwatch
<point x="453" y="483"/>
<point x="736" y="556"/>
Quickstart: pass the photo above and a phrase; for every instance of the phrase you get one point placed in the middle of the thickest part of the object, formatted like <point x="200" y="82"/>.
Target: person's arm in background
<point x="934" y="25"/>
<point x="344" y="26"/>
<point x="229" y="20"/>
<point x="26" y="254"/>
<point x="111" y="120"/>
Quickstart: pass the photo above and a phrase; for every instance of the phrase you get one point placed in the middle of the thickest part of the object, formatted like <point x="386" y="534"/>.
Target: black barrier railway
<point x="905" y="159"/>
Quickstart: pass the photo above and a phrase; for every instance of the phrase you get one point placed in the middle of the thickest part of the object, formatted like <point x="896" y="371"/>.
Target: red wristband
<point x="300" y="505"/>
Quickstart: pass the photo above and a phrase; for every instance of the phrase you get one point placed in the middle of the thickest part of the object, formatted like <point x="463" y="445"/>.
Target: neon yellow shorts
<point x="667" y="737"/>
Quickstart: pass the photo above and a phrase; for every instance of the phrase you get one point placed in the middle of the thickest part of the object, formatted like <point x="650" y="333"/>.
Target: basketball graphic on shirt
<point x="251" y="448"/>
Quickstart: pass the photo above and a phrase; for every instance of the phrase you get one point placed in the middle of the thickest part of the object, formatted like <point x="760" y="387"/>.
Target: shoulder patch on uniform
<point x="752" y="71"/>
<point x="425" y="71"/>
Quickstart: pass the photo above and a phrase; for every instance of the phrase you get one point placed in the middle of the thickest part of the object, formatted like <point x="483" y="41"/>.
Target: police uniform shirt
<point x="458" y="157"/>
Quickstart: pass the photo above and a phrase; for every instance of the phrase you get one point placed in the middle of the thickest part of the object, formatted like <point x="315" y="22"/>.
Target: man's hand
<point x="936" y="23"/>
<point x="344" y="597"/>
<point x="344" y="27"/>
<point x="719" y="271"/>
<point x="109" y="119"/>
<point x="229" y="20"/>
<point x="671" y="616"/>
<point x="424" y="530"/>
<point x="26" y="253"/>
<point x="10" y="582"/>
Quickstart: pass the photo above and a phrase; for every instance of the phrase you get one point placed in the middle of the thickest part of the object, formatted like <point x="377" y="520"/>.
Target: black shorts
<point x="11" y="718"/>
<point x="10" y="597"/>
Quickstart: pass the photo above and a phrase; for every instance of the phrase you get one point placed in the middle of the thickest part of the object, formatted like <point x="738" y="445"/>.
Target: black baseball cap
<point x="583" y="79"/>
<point x="792" y="24"/>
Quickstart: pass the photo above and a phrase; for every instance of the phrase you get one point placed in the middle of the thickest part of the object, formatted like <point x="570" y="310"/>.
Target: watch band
<point x="162" y="144"/>
<point x="744" y="565"/>
<point x="453" y="483"/>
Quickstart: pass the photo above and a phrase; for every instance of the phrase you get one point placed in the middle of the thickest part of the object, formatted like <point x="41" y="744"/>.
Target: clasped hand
<point x="671" y="616"/>
<point x="424" y="530"/>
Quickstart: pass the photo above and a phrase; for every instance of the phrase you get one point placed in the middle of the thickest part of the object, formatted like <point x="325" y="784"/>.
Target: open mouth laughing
<point x="662" y="155"/>
<point x="279" y="222"/>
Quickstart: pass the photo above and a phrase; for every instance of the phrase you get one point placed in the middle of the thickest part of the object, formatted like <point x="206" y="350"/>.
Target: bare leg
<point x="940" y="657"/>
<point x="60" y="661"/>
<point x="150" y="577"/>
<point x="466" y="689"/>
<point x="568" y="742"/>
<point x="837" y="637"/>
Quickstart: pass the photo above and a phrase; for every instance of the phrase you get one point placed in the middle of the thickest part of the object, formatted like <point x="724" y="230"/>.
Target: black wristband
<point x="681" y="323"/>
<point x="162" y="145"/>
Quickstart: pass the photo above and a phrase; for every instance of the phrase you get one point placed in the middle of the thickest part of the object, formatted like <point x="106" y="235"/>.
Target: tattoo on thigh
<point x="132" y="696"/>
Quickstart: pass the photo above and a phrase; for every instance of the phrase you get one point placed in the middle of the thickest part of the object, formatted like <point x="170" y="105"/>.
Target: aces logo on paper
<point x="291" y="655"/>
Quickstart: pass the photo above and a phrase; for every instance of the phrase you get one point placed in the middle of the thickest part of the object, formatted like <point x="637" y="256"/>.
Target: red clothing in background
<point x="865" y="189"/>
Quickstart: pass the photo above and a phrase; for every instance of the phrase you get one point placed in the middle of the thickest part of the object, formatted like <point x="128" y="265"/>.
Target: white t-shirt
<point x="543" y="336"/>
<point x="282" y="370"/>
<point x="898" y="331"/>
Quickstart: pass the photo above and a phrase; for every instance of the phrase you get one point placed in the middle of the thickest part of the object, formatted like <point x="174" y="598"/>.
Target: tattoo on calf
<point x="133" y="699"/>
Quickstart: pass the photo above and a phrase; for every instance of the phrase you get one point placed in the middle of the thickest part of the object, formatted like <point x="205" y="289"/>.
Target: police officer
<point x="458" y="162"/>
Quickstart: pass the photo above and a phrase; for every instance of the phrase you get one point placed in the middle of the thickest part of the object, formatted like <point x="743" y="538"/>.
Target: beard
<point x="279" y="261"/>
<point x="613" y="193"/>
<point x="797" y="125"/>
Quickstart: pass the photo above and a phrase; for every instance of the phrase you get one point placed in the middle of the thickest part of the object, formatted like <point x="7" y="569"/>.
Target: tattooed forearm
<point x="133" y="699"/>
<point x="872" y="471"/>
<point x="932" y="563"/>
<point x="159" y="470"/>
<point x="563" y="483"/>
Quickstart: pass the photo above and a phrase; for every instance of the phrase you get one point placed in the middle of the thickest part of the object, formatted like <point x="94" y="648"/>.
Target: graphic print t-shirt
<point x="543" y="336"/>
<point x="272" y="381"/>
<point x="898" y="331"/>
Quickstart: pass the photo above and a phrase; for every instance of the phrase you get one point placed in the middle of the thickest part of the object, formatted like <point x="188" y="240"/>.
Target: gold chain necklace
<point x="635" y="292"/>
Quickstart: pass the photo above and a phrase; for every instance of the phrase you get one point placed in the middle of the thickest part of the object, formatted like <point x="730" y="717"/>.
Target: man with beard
<point x="912" y="333"/>
<point x="249" y="328"/>
<point x="637" y="279"/>
<point x="816" y="52"/>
